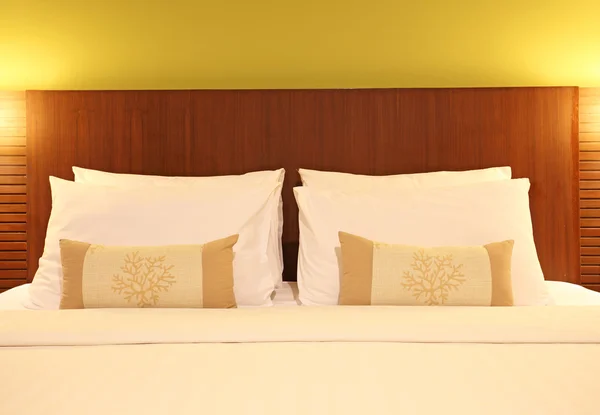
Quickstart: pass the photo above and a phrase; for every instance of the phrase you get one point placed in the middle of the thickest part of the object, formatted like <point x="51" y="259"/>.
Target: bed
<point x="304" y="359"/>
<point x="292" y="358"/>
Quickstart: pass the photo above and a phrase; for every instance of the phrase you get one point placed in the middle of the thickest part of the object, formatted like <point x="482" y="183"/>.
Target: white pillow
<point x="347" y="181"/>
<point x="475" y="214"/>
<point x="117" y="216"/>
<point x="200" y="184"/>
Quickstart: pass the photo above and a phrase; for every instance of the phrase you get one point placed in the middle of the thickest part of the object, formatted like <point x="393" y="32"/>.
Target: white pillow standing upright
<point x="469" y="215"/>
<point x="347" y="181"/>
<point x="201" y="184"/>
<point x="171" y="216"/>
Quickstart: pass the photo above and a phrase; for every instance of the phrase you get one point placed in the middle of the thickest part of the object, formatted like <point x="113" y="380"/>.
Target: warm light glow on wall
<point x="96" y="44"/>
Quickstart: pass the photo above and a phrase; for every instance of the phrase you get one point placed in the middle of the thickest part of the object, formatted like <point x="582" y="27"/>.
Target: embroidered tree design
<point x="144" y="278"/>
<point x="432" y="277"/>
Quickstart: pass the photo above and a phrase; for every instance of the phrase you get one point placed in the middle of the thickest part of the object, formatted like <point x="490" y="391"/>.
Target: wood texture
<point x="589" y="185"/>
<point x="534" y="130"/>
<point x="13" y="208"/>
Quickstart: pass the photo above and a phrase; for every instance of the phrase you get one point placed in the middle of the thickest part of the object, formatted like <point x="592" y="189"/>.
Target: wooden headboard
<point x="534" y="130"/>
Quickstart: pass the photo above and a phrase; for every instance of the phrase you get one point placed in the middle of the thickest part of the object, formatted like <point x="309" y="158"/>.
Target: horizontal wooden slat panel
<point x="590" y="102"/>
<point x="12" y="95"/>
<point x="590" y="223"/>
<point x="12" y="180"/>
<point x="589" y="146"/>
<point x="12" y="207"/>
<point x="12" y="160"/>
<point x="12" y="217"/>
<point x="590" y="279"/>
<point x="12" y="122"/>
<point x="587" y="110"/>
<point x="12" y="151"/>
<point x="12" y="141"/>
<point x="589" y="137"/>
<point x="16" y="265"/>
<point x="13" y="170"/>
<point x="589" y="175"/>
<point x="595" y="287"/>
<point x="587" y="260"/>
<point x="13" y="199"/>
<point x="11" y="280"/>
<point x="17" y="111"/>
<point x="590" y="118"/>
<point x="10" y="198"/>
<point x="590" y="250"/>
<point x="13" y="255"/>
<point x="589" y="155"/>
<point x="589" y="92"/>
<point x="13" y="236"/>
<point x="589" y="165"/>
<point x="590" y="240"/>
<point x="584" y="128"/>
<point x="589" y="194"/>
<point x="14" y="132"/>
<point x="7" y="104"/>
<point x="590" y="203"/>
<point x="13" y="227"/>
<point x="16" y="274"/>
<point x="13" y="246"/>
<point x="589" y="184"/>
<point x="589" y="213"/>
<point x="590" y="270"/>
<point x="12" y="189"/>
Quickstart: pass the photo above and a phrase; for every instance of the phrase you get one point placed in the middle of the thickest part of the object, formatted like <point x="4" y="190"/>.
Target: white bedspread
<point x="337" y="360"/>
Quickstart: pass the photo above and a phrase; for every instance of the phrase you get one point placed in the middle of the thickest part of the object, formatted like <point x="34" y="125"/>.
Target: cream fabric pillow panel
<point x="174" y="216"/>
<point x="347" y="181"/>
<point x="201" y="184"/>
<point x="176" y="276"/>
<point x="376" y="273"/>
<point x="469" y="215"/>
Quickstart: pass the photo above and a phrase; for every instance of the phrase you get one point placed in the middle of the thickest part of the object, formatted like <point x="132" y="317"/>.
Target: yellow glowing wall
<point x="131" y="44"/>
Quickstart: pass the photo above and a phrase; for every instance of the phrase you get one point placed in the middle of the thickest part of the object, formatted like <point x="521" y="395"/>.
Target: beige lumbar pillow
<point x="177" y="276"/>
<point x="375" y="273"/>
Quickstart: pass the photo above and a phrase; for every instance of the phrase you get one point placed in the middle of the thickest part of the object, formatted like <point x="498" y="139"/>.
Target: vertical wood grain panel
<point x="589" y="185"/>
<point x="13" y="207"/>
<point x="533" y="130"/>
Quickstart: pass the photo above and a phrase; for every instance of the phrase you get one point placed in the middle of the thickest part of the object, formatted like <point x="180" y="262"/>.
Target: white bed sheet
<point x="331" y="360"/>
<point x="562" y="294"/>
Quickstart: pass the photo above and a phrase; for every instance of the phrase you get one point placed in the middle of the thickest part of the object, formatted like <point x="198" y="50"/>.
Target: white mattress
<point x="562" y="293"/>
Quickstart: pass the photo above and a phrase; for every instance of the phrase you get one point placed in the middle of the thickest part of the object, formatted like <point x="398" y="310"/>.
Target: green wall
<point x="143" y="44"/>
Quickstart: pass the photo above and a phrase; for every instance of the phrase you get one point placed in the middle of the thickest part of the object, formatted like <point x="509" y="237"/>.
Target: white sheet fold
<point x="536" y="325"/>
